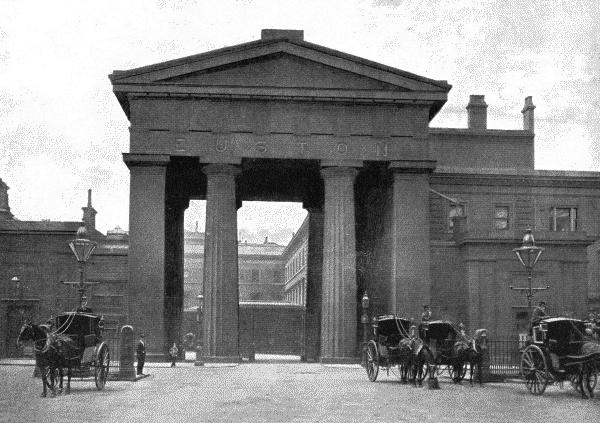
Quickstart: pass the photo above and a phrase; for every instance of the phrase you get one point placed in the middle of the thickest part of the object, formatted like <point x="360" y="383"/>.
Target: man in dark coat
<point x="538" y="313"/>
<point x="83" y="307"/>
<point x="140" y="353"/>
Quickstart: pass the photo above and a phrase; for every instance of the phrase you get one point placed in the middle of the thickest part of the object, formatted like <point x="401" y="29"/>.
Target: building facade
<point x="409" y="213"/>
<point x="295" y="257"/>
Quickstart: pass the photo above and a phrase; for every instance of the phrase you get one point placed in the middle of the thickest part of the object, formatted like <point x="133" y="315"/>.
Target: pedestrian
<point x="462" y="332"/>
<point x="173" y="351"/>
<point x="425" y="318"/>
<point x="141" y="355"/>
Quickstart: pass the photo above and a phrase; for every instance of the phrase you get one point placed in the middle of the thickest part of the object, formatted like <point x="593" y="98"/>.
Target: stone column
<point x="411" y="252"/>
<point x="314" y="272"/>
<point x="146" y="287"/>
<point x="174" y="283"/>
<point x="338" y="320"/>
<point x="221" y="328"/>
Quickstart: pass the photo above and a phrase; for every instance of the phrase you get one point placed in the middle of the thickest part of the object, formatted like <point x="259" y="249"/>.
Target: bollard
<point x="126" y="356"/>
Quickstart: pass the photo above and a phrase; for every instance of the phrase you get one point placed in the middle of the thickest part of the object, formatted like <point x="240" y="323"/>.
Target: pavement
<point x="282" y="391"/>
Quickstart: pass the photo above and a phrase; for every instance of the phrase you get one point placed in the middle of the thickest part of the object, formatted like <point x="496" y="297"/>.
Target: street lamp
<point x="364" y="319"/>
<point x="82" y="248"/>
<point x="17" y="282"/>
<point x="529" y="254"/>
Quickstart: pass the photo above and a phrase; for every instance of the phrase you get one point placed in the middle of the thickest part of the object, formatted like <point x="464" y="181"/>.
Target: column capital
<point x="215" y="169"/>
<point x="412" y="166"/>
<point x="338" y="172"/>
<point x="147" y="160"/>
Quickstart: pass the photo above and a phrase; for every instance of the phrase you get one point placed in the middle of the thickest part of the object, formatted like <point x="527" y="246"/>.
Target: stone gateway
<point x="282" y="119"/>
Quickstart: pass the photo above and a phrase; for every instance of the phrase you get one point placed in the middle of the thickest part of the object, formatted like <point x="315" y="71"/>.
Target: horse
<point x="422" y="357"/>
<point x="45" y="356"/>
<point x="469" y="351"/>
<point x="585" y="378"/>
<point x="405" y="355"/>
<point x="53" y="352"/>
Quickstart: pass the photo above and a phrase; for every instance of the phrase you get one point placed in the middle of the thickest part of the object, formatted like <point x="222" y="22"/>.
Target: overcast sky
<point x="62" y="130"/>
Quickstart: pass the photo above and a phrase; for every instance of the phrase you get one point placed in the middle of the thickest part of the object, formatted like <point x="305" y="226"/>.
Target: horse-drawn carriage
<point x="384" y="350"/>
<point x="93" y="355"/>
<point x="441" y="336"/>
<point x="560" y="351"/>
<point x="75" y="344"/>
<point x="453" y="349"/>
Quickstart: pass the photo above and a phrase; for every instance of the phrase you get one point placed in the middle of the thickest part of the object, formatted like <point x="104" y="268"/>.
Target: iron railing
<point x="505" y="356"/>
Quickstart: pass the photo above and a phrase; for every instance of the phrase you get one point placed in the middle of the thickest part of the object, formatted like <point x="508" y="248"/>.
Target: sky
<point x="62" y="130"/>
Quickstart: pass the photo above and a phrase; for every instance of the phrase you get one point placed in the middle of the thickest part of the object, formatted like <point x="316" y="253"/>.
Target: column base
<point x="340" y="360"/>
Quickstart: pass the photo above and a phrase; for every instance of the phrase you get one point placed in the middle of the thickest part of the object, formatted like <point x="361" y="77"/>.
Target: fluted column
<point x="411" y="252"/>
<point x="338" y="319"/>
<point x="220" y="286"/>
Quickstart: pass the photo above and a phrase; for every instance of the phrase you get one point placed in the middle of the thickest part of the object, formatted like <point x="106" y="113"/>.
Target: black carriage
<point x="93" y="355"/>
<point x="383" y="350"/>
<point x="560" y="351"/>
<point x="441" y="336"/>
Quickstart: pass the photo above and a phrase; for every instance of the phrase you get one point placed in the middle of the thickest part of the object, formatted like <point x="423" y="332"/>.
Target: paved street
<point x="282" y="392"/>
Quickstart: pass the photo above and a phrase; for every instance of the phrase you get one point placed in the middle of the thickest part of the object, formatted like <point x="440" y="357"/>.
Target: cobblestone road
<point x="290" y="392"/>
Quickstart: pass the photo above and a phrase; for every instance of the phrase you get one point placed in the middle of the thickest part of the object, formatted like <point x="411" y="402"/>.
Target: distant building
<point x="295" y="258"/>
<point x="260" y="269"/>
<point x="37" y="253"/>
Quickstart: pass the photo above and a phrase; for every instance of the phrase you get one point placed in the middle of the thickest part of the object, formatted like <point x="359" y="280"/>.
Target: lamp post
<point x="364" y="319"/>
<point x="529" y="254"/>
<point x="82" y="248"/>
<point x="199" y="340"/>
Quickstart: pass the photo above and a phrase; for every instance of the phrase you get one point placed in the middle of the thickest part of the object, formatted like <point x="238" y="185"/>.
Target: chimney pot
<point x="528" y="117"/>
<point x="477" y="112"/>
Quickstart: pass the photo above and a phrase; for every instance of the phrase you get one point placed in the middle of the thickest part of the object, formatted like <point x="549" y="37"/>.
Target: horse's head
<point x="480" y="339"/>
<point x="25" y="333"/>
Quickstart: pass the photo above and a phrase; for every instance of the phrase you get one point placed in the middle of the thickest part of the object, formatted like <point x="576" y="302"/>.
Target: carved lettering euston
<point x="261" y="147"/>
<point x="238" y="145"/>
<point x="382" y="149"/>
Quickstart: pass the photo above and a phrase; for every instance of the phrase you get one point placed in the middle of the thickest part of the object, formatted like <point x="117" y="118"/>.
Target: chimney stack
<point x="528" y="120"/>
<point x="89" y="213"/>
<point x="5" y="213"/>
<point x="477" y="110"/>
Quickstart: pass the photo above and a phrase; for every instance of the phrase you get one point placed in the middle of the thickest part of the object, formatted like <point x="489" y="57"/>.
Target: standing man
<point x="141" y="355"/>
<point x="173" y="351"/>
<point x="538" y="313"/>
<point x="425" y="318"/>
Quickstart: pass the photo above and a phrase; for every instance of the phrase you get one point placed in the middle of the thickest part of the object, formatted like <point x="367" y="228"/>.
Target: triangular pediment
<point x="281" y="70"/>
<point x="286" y="68"/>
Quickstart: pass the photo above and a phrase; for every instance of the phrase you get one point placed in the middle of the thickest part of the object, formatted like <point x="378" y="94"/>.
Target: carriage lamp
<point x="529" y="254"/>
<point x="82" y="248"/>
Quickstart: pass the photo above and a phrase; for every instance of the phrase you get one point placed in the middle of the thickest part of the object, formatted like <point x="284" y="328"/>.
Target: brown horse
<point x="423" y="364"/>
<point x="53" y="352"/>
<point x="469" y="351"/>
<point x="45" y="357"/>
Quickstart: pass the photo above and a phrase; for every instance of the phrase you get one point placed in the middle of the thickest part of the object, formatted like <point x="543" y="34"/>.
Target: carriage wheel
<point x="372" y="361"/>
<point x="534" y="369"/>
<point x="102" y="367"/>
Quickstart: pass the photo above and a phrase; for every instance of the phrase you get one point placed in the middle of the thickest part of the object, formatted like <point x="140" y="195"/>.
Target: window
<point x="501" y="217"/>
<point x="563" y="219"/>
<point x="455" y="211"/>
